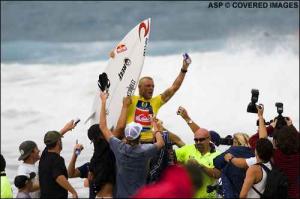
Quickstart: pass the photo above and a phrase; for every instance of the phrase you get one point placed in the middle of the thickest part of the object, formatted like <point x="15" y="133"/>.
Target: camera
<point x="215" y="187"/>
<point x="280" y="119"/>
<point x="254" y="98"/>
<point x="228" y="140"/>
<point x="187" y="58"/>
<point x="217" y="140"/>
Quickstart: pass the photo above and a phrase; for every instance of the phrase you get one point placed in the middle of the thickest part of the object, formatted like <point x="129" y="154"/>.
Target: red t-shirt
<point x="288" y="164"/>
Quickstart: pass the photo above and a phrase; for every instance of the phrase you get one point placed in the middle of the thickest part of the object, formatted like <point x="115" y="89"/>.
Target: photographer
<point x="232" y="176"/>
<point x="202" y="152"/>
<point x="286" y="153"/>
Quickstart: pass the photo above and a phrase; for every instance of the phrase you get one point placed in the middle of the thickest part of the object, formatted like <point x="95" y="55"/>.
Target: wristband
<point x="231" y="159"/>
<point x="183" y="70"/>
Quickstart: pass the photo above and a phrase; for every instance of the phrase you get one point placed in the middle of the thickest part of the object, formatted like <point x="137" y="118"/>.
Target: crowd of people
<point x="136" y="159"/>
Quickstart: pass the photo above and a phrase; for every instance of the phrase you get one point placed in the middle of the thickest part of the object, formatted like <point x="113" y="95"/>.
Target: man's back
<point x="51" y="166"/>
<point x="131" y="165"/>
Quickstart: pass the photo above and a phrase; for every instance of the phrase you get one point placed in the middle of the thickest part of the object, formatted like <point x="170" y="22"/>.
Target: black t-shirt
<point x="84" y="170"/>
<point x="51" y="166"/>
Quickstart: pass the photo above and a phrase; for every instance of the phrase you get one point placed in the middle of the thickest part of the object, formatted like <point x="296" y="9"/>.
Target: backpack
<point x="276" y="184"/>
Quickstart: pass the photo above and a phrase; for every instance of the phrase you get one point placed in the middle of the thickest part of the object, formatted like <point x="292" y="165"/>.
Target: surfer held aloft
<point x="145" y="106"/>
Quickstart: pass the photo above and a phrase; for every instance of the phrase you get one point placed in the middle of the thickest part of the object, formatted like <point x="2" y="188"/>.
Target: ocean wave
<point x="32" y="52"/>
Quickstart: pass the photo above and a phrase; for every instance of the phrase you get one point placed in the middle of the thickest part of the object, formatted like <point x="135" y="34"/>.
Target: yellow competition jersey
<point x="140" y="111"/>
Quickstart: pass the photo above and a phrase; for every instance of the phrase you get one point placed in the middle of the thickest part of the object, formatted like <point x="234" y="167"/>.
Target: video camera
<point x="228" y="140"/>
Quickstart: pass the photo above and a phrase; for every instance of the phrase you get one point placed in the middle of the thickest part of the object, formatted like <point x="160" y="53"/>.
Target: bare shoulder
<point x="254" y="170"/>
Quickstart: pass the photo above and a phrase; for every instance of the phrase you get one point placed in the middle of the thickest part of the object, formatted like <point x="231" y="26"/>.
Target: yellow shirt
<point x="6" y="190"/>
<point x="187" y="152"/>
<point x="140" y="111"/>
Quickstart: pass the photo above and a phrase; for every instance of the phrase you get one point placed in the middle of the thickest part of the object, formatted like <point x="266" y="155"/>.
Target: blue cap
<point x="215" y="137"/>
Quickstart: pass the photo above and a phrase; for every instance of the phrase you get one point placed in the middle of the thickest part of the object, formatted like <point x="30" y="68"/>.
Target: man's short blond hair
<point x="142" y="79"/>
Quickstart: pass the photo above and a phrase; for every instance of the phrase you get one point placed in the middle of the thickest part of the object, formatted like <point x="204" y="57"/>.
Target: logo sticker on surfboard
<point x="123" y="72"/>
<point x="145" y="27"/>
<point x="127" y="63"/>
<point x="121" y="48"/>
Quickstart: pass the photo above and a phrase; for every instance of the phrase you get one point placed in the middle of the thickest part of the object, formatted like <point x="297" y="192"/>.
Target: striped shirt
<point x="289" y="165"/>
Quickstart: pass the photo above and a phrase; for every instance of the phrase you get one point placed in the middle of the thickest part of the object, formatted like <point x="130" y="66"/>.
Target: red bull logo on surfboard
<point x="121" y="48"/>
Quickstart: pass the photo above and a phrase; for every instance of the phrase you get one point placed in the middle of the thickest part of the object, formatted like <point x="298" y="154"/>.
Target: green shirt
<point x="6" y="190"/>
<point x="187" y="152"/>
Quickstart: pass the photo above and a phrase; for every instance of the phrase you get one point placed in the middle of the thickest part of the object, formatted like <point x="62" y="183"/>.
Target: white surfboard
<point x="123" y="72"/>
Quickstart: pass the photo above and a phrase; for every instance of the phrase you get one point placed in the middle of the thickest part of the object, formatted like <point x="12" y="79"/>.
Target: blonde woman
<point x="232" y="176"/>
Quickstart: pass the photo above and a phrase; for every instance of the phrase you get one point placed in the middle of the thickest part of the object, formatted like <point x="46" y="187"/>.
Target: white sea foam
<point x="216" y="92"/>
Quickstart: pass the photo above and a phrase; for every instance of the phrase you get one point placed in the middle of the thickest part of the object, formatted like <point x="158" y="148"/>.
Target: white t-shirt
<point x="251" y="161"/>
<point x="26" y="169"/>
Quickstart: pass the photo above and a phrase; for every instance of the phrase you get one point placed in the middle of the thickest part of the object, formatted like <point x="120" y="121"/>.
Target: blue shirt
<point x="131" y="165"/>
<point x="232" y="176"/>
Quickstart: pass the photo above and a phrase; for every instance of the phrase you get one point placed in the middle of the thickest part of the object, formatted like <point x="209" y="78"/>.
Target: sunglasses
<point x="200" y="139"/>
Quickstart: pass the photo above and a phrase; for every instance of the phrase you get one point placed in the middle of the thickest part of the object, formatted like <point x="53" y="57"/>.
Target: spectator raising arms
<point x="53" y="173"/>
<point x="131" y="157"/>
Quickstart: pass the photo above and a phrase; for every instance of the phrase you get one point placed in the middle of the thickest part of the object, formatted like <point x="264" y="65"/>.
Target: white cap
<point x="133" y="130"/>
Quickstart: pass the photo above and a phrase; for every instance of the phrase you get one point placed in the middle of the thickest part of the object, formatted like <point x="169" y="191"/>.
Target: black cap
<point x="21" y="180"/>
<point x="26" y="148"/>
<point x="51" y="137"/>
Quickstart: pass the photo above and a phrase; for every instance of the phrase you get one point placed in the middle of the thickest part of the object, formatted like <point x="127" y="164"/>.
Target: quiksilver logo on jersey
<point x="127" y="62"/>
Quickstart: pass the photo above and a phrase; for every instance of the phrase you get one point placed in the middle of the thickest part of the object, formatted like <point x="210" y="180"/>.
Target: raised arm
<point x="102" y="123"/>
<point x="157" y="134"/>
<point x="262" y="130"/>
<point x="167" y="94"/>
<point x="72" y="171"/>
<point x="119" y="130"/>
<point x="183" y="113"/>
<point x="68" y="126"/>
<point x="176" y="139"/>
